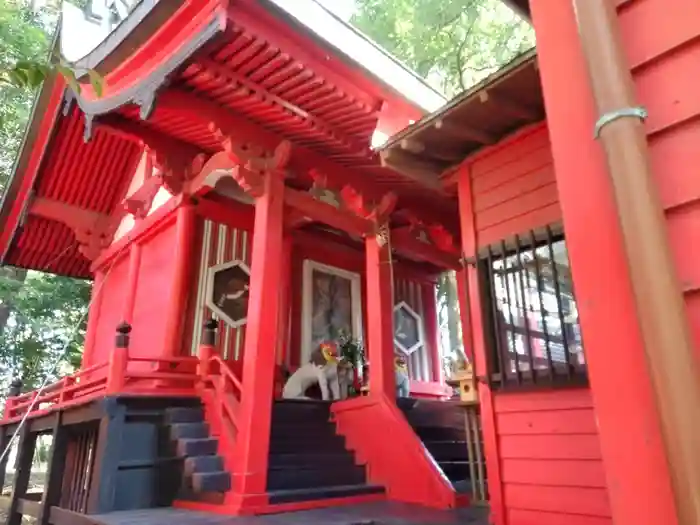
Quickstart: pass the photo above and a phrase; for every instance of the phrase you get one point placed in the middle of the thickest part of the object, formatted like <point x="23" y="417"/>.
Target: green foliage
<point x="24" y="48"/>
<point x="46" y="312"/>
<point x="351" y="350"/>
<point x="38" y="312"/>
<point x="452" y="43"/>
<point x="22" y="41"/>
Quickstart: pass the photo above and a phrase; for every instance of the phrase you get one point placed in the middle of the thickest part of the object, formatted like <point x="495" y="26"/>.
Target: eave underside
<point x="507" y="101"/>
<point x="240" y="82"/>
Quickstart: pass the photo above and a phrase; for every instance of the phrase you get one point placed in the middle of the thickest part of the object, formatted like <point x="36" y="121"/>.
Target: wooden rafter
<point x="422" y="171"/>
<point x="270" y="98"/>
<point x="510" y="106"/>
<point x="464" y="132"/>
<point x="303" y="159"/>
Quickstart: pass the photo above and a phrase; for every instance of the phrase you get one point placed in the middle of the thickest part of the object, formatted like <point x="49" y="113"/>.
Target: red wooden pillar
<point x="255" y="410"/>
<point x="473" y="335"/>
<point x="380" y="317"/>
<point x="185" y="237"/>
<point x="431" y="329"/>
<point x="628" y="422"/>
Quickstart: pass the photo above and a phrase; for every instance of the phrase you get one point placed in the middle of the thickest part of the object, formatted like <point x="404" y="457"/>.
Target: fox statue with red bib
<point x="322" y="368"/>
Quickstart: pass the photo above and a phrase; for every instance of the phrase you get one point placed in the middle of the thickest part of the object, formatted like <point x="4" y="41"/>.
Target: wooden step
<point x="197" y="447"/>
<point x="184" y="415"/>
<point x="305" y="478"/>
<point x="313" y="427"/>
<point x="307" y="445"/>
<point x="211" y="481"/>
<point x="292" y="496"/>
<point x="447" y="450"/>
<point x="196" y="430"/>
<point x="203" y="464"/>
<point x="297" y="410"/>
<point x="330" y="460"/>
<point x="455" y="470"/>
<point x="437" y="433"/>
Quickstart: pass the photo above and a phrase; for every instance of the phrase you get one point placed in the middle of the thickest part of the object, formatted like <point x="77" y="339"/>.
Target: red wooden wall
<point x="663" y="51"/>
<point x="546" y="442"/>
<point x="513" y="187"/>
<point x="153" y="278"/>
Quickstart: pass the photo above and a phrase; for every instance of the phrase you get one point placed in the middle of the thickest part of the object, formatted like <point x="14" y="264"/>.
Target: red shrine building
<point x="228" y="197"/>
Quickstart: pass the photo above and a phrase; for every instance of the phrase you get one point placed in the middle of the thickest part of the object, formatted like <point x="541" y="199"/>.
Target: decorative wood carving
<point x="93" y="231"/>
<point x="377" y="212"/>
<point x="253" y="163"/>
<point x="442" y="239"/>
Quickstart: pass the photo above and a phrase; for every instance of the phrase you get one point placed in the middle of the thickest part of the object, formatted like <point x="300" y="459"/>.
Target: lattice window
<point x="531" y="318"/>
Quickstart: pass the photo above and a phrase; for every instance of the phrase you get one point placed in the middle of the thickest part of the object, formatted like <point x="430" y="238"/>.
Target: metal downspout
<point x="671" y="362"/>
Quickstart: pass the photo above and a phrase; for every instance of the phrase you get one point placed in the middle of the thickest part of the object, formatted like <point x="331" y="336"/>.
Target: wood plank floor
<point x="383" y="513"/>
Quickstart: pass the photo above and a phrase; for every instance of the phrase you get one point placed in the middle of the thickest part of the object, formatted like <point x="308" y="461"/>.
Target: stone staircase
<point x="440" y="426"/>
<point x="308" y="460"/>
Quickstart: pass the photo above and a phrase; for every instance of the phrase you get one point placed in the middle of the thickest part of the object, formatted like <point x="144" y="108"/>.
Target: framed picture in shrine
<point x="331" y="305"/>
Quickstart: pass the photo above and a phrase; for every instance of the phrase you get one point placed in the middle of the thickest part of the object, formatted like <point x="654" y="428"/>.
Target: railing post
<point x="116" y="376"/>
<point x="14" y="390"/>
<point x="206" y="348"/>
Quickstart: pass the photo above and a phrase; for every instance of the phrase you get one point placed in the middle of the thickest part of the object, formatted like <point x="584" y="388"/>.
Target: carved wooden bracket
<point x="442" y="239"/>
<point x="176" y="170"/>
<point x="93" y="231"/>
<point x="253" y="163"/>
<point x="377" y="212"/>
<point x="139" y="203"/>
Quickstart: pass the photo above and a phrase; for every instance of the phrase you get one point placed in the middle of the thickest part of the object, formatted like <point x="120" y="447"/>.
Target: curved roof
<point x="174" y="68"/>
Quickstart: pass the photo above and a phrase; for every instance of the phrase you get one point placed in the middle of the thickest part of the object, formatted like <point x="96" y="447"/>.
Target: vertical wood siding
<point x="220" y="244"/>
<point x="419" y="364"/>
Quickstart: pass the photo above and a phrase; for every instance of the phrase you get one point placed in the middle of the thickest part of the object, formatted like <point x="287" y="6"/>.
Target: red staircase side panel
<point x="395" y="457"/>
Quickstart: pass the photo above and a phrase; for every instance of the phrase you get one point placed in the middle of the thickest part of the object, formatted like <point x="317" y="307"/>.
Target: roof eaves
<point x="363" y="51"/>
<point x="39" y="114"/>
<point x="516" y="63"/>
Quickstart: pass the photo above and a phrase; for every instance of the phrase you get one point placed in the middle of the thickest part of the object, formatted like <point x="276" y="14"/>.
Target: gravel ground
<point x="36" y="484"/>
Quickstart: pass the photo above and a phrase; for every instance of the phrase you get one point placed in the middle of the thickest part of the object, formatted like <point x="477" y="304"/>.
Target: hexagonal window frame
<point x="403" y="305"/>
<point x="209" y="299"/>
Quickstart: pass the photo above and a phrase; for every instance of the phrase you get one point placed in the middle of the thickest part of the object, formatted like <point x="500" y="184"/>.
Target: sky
<point x="342" y="8"/>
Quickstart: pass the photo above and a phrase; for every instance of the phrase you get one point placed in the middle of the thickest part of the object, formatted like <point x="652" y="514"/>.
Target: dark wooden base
<point x="384" y="513"/>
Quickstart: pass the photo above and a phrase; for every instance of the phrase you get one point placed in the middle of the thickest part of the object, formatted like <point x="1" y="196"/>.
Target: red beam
<point x="226" y="211"/>
<point x="326" y="213"/>
<point x="303" y="159"/>
<point x="403" y="241"/>
<point x="72" y="216"/>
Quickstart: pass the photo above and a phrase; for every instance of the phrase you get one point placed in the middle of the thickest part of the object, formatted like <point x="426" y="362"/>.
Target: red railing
<point x="132" y="375"/>
<point x="220" y="391"/>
